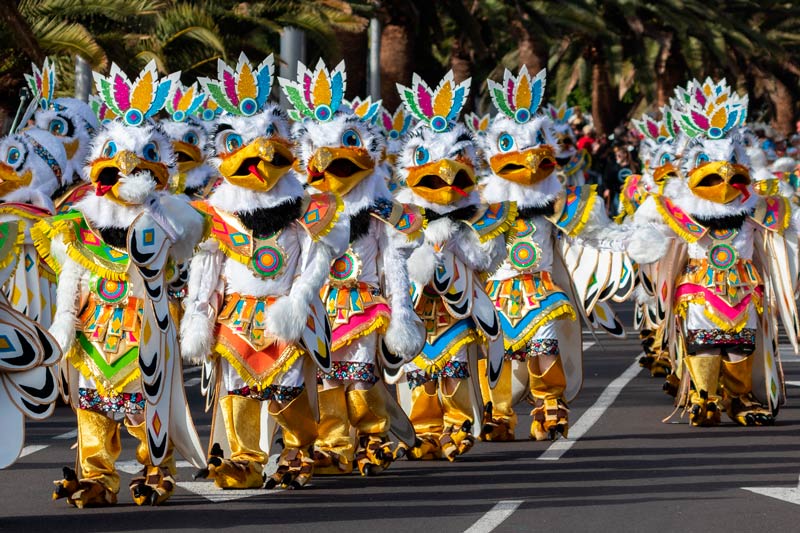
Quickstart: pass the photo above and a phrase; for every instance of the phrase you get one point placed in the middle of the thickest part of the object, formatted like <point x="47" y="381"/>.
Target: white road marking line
<point x="793" y="383"/>
<point x="68" y="435"/>
<point x="134" y="467"/>
<point x="191" y="382"/>
<point x="787" y="494"/>
<point x="33" y="448"/>
<point x="588" y="344"/>
<point x="494" y="516"/>
<point x="209" y="491"/>
<point x="192" y="369"/>
<point x="592" y="414"/>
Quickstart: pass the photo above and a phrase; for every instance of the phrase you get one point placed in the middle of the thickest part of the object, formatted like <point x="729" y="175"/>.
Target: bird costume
<point x="541" y="286"/>
<point x="114" y="255"/>
<point x="463" y="239"/>
<point x="253" y="314"/>
<point x="732" y="267"/>
<point x="367" y="291"/>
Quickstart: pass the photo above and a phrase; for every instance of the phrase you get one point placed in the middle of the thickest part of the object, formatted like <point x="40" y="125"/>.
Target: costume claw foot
<point x="373" y="455"/>
<point x="68" y="486"/>
<point x="154" y="487"/>
<point x="747" y="411"/>
<point x="426" y="448"/>
<point x="661" y="366"/>
<point x="550" y="418"/>
<point x="295" y="468"/>
<point x="646" y="361"/>
<point x="703" y="411"/>
<point x="671" y="385"/>
<point x="455" y="443"/>
<point x="330" y="463"/>
<point x="82" y="493"/>
<point x="495" y="429"/>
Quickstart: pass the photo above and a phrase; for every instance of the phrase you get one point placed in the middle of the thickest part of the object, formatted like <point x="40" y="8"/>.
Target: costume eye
<point x="421" y="156"/>
<point x="351" y="139"/>
<point x="270" y="130"/>
<point x="665" y="158"/>
<point x="191" y="138"/>
<point x="13" y="156"/>
<point x="150" y="152"/>
<point x="505" y="142"/>
<point x="233" y="141"/>
<point x="58" y="127"/>
<point x="110" y="149"/>
<point x="702" y="157"/>
<point x="540" y="138"/>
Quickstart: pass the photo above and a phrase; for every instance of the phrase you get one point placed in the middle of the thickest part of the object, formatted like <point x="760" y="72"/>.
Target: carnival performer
<point x="732" y="267"/>
<point x="463" y="239"/>
<point x="367" y="291"/>
<point x="538" y="288"/>
<point x="253" y="313"/>
<point x="573" y="164"/>
<point x="113" y="255"/>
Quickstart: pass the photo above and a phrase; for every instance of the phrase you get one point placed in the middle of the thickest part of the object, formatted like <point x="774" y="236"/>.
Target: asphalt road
<point x="622" y="469"/>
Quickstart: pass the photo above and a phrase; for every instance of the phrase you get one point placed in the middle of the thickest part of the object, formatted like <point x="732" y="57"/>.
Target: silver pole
<point x="293" y="49"/>
<point x="374" y="61"/>
<point x="83" y="79"/>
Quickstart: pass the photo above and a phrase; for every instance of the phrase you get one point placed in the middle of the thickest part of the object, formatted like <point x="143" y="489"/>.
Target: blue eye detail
<point x="702" y="157"/>
<point x="351" y="139"/>
<point x="191" y="138"/>
<point x="665" y="158"/>
<point x="13" y="156"/>
<point x="421" y="156"/>
<point x="110" y="149"/>
<point x="505" y="142"/>
<point x="233" y="142"/>
<point x="270" y="130"/>
<point x="150" y="152"/>
<point x="57" y="127"/>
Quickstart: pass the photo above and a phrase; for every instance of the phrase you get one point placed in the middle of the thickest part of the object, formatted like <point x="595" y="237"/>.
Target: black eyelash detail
<point x="464" y="137"/>
<point x="373" y="145"/>
<point x="221" y="128"/>
<point x="352" y="119"/>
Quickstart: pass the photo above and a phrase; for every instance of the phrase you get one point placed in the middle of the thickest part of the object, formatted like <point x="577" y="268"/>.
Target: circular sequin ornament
<point x="438" y="124"/>
<point x="208" y="114"/>
<point x="179" y="116"/>
<point x="722" y="256"/>
<point x="346" y="267"/>
<point x="111" y="291"/>
<point x="522" y="115"/>
<point x="267" y="261"/>
<point x="524" y="228"/>
<point x="722" y="234"/>
<point x="523" y="255"/>
<point x="248" y="106"/>
<point x="715" y="133"/>
<point x="323" y="113"/>
<point x="134" y="117"/>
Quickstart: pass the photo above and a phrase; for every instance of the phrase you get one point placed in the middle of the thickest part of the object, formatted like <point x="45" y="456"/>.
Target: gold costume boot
<point x="296" y="463"/>
<point x="499" y="418"/>
<point x="457" y="437"/>
<point x="97" y="482"/>
<point x="367" y="412"/>
<point x="704" y="399"/>
<point x="334" y="449"/>
<point x="244" y="469"/>
<point x="737" y="383"/>
<point x="427" y="417"/>
<point x="156" y="483"/>
<point x="550" y="413"/>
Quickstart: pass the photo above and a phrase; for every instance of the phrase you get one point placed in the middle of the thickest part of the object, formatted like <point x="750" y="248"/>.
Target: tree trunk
<point x="780" y="99"/>
<point x="532" y="52"/>
<point x="603" y="103"/>
<point x="397" y="51"/>
<point x="670" y="68"/>
<point x="353" y="50"/>
<point x="21" y="31"/>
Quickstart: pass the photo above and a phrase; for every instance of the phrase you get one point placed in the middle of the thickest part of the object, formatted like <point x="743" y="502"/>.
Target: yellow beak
<point x="720" y="181"/>
<point x="442" y="182"/>
<point x="338" y="170"/>
<point x="10" y="180"/>
<point x="526" y="167"/>
<point x="189" y="156"/>
<point x="106" y="173"/>
<point x="70" y="147"/>
<point x="259" y="165"/>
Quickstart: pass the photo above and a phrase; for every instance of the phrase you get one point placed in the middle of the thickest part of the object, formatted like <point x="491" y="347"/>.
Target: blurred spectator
<point x="618" y="167"/>
<point x="586" y="140"/>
